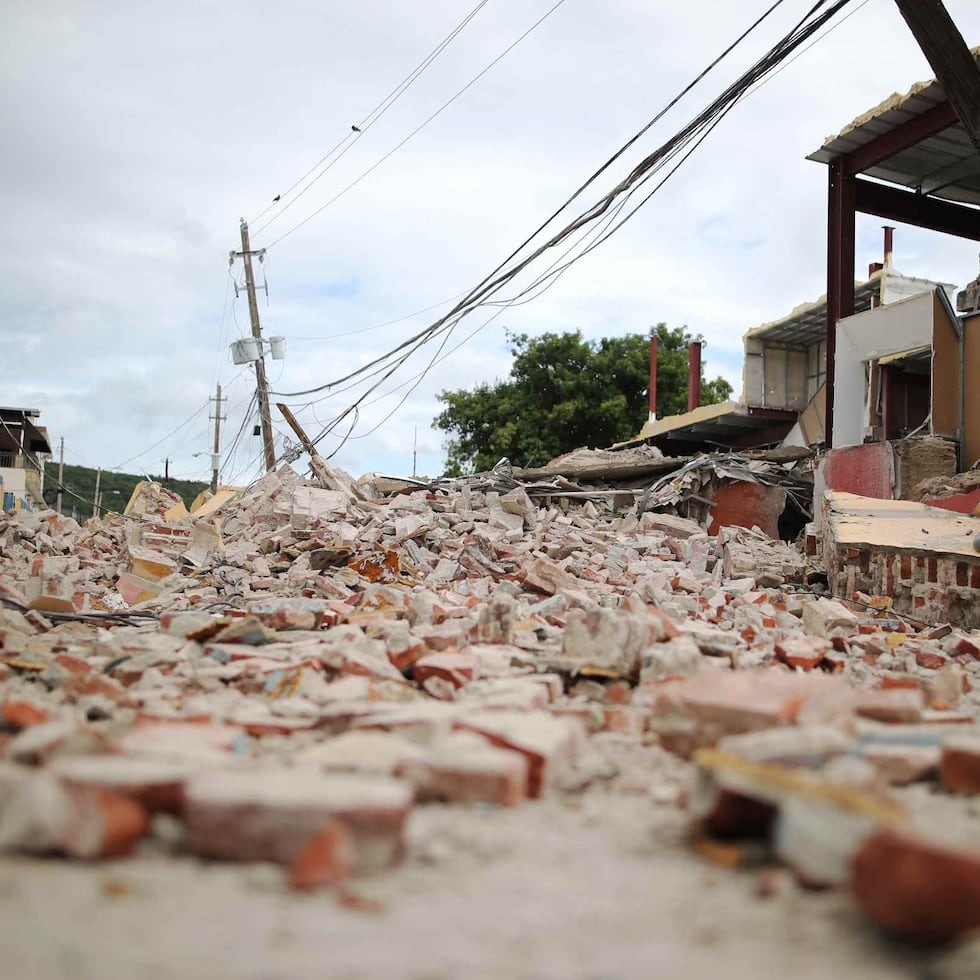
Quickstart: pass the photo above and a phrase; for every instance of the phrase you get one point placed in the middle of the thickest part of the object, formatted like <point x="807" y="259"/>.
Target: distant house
<point x="23" y="448"/>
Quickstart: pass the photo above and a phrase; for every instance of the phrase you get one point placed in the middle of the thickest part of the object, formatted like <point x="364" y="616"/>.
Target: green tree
<point x="564" y="392"/>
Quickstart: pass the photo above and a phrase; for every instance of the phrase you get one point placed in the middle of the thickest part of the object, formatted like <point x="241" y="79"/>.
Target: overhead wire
<point x="160" y="442"/>
<point x="803" y="51"/>
<point x="605" y="166"/>
<point x="221" y="327"/>
<point x="387" y="323"/>
<point x="605" y="210"/>
<point x="554" y="274"/>
<point x="368" y="121"/>
<point x="415" y="131"/>
<point x="694" y="131"/>
<point x="231" y="453"/>
<point x="747" y="94"/>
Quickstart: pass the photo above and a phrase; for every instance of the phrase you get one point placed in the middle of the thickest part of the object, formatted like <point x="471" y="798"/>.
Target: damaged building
<point x="23" y="446"/>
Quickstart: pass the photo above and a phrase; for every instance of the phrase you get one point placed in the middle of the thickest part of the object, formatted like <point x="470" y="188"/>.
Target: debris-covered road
<point x="318" y="729"/>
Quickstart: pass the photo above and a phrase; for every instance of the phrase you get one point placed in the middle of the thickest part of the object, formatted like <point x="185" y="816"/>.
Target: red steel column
<point x="840" y="269"/>
<point x="653" y="376"/>
<point x="694" y="376"/>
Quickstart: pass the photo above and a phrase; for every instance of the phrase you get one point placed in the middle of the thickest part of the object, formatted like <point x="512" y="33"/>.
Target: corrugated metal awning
<point x="945" y="165"/>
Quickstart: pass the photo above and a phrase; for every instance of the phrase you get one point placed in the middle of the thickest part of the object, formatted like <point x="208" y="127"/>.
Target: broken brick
<point x="917" y="889"/>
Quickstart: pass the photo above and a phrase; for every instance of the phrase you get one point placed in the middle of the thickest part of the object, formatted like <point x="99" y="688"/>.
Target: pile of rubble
<point x="285" y="675"/>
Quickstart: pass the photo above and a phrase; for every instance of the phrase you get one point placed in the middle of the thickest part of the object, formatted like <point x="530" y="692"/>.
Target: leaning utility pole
<point x="95" y="497"/>
<point x="262" y="384"/>
<point x="217" y="440"/>
<point x="61" y="472"/>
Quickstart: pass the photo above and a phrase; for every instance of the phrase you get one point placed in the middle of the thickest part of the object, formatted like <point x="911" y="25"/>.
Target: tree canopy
<point x="564" y="392"/>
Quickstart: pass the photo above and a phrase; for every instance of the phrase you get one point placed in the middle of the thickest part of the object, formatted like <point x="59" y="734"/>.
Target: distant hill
<point x="116" y="488"/>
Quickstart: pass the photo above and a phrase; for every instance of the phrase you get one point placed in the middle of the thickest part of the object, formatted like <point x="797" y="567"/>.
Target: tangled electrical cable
<point x="597" y="223"/>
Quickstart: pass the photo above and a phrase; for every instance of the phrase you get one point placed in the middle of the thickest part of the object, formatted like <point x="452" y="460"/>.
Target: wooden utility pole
<point x="946" y="51"/>
<point x="217" y="440"/>
<point x="95" y="498"/>
<point x="262" y="384"/>
<point x="61" y="471"/>
<point x="166" y="472"/>
<point x="317" y="464"/>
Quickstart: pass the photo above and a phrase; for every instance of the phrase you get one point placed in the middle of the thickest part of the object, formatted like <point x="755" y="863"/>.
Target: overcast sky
<point x="135" y="135"/>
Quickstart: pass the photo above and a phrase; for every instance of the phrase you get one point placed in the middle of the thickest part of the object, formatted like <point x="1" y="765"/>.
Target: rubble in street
<point x="293" y="675"/>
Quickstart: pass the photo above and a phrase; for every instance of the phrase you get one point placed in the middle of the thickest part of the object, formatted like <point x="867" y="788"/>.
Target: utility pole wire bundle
<point x="609" y="207"/>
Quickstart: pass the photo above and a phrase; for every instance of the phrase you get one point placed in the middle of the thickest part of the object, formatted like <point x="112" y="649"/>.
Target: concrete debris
<point x="738" y="482"/>
<point x="923" y="558"/>
<point x="294" y="675"/>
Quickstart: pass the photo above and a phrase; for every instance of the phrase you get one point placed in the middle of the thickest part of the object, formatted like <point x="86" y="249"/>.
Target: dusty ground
<point x="596" y="886"/>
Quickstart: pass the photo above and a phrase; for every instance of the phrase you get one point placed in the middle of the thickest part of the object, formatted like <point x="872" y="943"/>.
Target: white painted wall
<point x="14" y="480"/>
<point x="865" y="337"/>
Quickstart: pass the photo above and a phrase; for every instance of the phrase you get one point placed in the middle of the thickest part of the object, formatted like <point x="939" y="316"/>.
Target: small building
<point x="24" y="446"/>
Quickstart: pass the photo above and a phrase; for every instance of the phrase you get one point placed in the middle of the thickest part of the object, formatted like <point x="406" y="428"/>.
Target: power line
<point x="233" y="449"/>
<point x="368" y="121"/>
<point x="221" y="327"/>
<point x="803" y="51"/>
<point x="681" y="145"/>
<point x="159" y="442"/>
<point x="605" y="166"/>
<point x="415" y="131"/>
<point x="387" y="323"/>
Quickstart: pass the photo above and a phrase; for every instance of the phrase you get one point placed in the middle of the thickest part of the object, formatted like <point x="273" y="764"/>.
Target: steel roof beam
<point x="902" y="137"/>
<point x="915" y="209"/>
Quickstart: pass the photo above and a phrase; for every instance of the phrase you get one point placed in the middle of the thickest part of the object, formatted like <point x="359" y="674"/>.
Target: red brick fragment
<point x="103" y="824"/>
<point x="929" y="660"/>
<point x="549" y="744"/>
<point x="465" y="768"/>
<point x="22" y="714"/>
<point x="959" y="765"/>
<point x="272" y="814"/>
<point x="917" y="889"/>
<point x="897" y="705"/>
<point x="805" y="652"/>
<point x="328" y="858"/>
<point x="457" y="668"/>
<point x="155" y="785"/>
<point x="85" y="685"/>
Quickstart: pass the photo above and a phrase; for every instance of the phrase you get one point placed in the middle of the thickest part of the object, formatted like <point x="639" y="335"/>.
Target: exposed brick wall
<point x="932" y="589"/>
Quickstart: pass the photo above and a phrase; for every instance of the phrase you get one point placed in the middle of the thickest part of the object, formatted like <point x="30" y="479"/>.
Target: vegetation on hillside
<point x="116" y="488"/>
